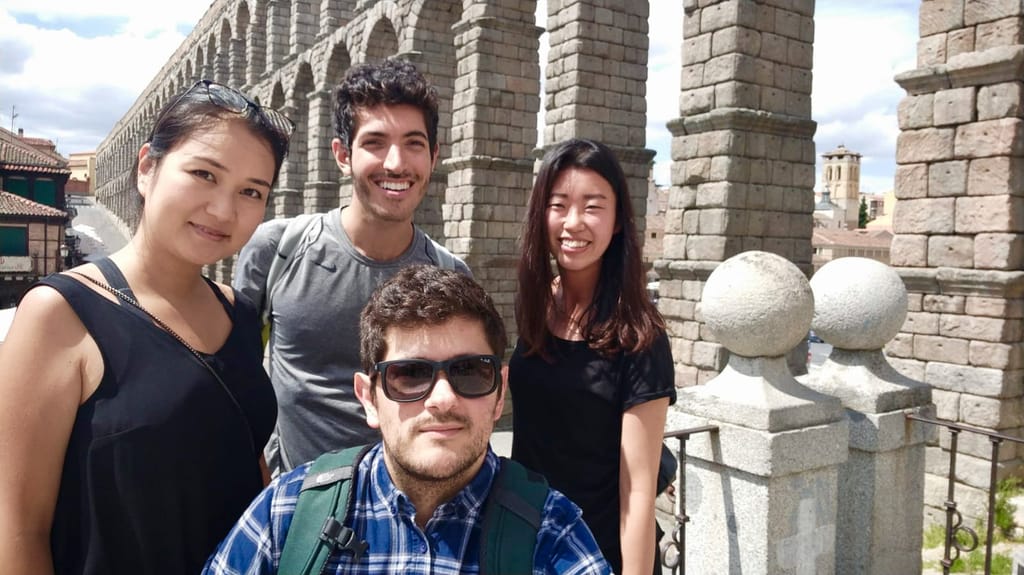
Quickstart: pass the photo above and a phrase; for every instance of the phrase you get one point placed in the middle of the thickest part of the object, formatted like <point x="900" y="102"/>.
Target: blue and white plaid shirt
<point x="385" y="518"/>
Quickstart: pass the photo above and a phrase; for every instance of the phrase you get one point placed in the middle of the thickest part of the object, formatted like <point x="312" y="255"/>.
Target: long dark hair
<point x="620" y="317"/>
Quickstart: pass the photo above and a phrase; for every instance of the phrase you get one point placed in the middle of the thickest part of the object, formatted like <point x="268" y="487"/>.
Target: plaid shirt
<point x="385" y="518"/>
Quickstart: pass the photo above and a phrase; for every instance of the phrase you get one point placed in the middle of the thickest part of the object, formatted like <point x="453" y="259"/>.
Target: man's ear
<point x="499" y="406"/>
<point x="364" y="393"/>
<point x="342" y="156"/>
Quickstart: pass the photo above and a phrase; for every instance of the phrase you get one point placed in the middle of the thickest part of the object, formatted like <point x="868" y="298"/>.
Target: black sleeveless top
<point x="161" y="461"/>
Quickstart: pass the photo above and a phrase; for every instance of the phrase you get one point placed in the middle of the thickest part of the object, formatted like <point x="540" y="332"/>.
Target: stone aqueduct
<point x="743" y="154"/>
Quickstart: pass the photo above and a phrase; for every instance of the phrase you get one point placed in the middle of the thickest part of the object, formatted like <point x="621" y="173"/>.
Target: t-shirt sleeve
<point x="649" y="374"/>
<point x="250" y="275"/>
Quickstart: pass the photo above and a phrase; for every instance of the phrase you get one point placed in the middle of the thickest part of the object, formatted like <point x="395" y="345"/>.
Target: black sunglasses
<point x="232" y="100"/>
<point x="408" y="380"/>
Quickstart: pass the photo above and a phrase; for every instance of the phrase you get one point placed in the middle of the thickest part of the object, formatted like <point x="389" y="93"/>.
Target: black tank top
<point x="160" y="463"/>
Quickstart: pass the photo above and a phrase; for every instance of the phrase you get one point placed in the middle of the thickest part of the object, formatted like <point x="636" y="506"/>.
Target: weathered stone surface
<point x="909" y="251"/>
<point x="931" y="50"/>
<point x="1002" y="356"/>
<point x="1005" y="32"/>
<point x="916" y="112"/>
<point x="1004" y="137"/>
<point x="979" y="214"/>
<point x="951" y="251"/>
<point x="960" y="42"/>
<point x="954" y="106"/>
<point x="935" y="17"/>
<point x="937" y="348"/>
<point x="1001" y="101"/>
<point x="995" y="307"/>
<point x="921" y="323"/>
<point x="911" y="181"/>
<point x="926" y="216"/>
<point x="947" y="404"/>
<point x="980" y="381"/>
<point x="999" y="251"/>
<point x="990" y="412"/>
<point x="980" y="328"/>
<point x="926" y="145"/>
<point x="996" y="176"/>
<point x="978" y="11"/>
<point x="947" y="179"/>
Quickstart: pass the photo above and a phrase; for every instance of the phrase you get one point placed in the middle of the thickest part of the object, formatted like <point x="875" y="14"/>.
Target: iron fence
<point x="954" y="546"/>
<point x="673" y="552"/>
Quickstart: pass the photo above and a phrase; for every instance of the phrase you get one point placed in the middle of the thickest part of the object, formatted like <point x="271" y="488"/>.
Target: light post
<point x="63" y="250"/>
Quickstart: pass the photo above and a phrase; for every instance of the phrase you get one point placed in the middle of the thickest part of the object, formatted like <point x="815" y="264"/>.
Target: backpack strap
<point x="300" y="231"/>
<point x="317" y="527"/>
<point x="440" y="254"/>
<point x="512" y="517"/>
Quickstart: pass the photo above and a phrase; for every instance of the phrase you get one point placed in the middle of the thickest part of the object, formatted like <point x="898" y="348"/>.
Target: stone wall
<point x="957" y="224"/>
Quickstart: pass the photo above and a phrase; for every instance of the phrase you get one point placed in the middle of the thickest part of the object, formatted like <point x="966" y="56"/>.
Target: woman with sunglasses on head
<point x="134" y="405"/>
<point x="591" y="375"/>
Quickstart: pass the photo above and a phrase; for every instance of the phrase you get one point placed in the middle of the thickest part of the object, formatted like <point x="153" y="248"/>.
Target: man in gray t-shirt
<point x="386" y="140"/>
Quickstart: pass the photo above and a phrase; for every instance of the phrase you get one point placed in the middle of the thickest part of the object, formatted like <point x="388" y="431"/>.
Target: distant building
<point x="830" y="244"/>
<point x="33" y="243"/>
<point x="83" y="174"/>
<point x="840" y="175"/>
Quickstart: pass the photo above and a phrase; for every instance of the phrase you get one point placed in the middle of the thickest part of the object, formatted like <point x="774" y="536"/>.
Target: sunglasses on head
<point x="407" y="380"/>
<point x="232" y="100"/>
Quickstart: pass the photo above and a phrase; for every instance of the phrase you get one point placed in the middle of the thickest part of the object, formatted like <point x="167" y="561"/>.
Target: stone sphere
<point x="860" y="304"/>
<point x="757" y="304"/>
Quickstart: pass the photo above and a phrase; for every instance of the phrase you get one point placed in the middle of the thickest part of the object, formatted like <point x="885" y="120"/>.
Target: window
<point x="13" y="241"/>
<point x="46" y="192"/>
<point x="18" y="186"/>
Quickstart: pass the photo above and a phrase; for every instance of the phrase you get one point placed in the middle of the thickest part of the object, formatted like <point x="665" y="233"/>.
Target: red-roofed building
<point x="830" y="244"/>
<point x="32" y="217"/>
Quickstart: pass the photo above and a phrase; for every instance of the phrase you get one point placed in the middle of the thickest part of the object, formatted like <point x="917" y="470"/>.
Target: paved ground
<point x="100" y="231"/>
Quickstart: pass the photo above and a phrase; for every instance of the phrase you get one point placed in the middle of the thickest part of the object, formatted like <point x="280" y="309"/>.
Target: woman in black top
<point x="591" y="375"/>
<point x="133" y="405"/>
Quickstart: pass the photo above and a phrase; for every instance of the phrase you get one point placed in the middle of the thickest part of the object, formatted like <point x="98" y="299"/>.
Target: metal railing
<point x="954" y="519"/>
<point x="677" y="562"/>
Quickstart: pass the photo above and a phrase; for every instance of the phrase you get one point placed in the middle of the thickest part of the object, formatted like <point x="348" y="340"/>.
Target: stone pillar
<point x="236" y="55"/>
<point x="303" y="28"/>
<point x="743" y="157"/>
<point x="860" y="305"/>
<point x="764" y="486"/>
<point x="256" y="37"/>
<point x="278" y="32"/>
<point x="321" y="189"/>
<point x="597" y="84"/>
<point x="958" y="227"/>
<point x="494" y="130"/>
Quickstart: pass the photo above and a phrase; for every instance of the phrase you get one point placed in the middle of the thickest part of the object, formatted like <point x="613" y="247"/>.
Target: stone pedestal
<point x="860" y="305"/>
<point x="762" y="491"/>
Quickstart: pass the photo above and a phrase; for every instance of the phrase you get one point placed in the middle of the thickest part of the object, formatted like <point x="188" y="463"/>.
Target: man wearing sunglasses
<point x="386" y="119"/>
<point x="432" y="382"/>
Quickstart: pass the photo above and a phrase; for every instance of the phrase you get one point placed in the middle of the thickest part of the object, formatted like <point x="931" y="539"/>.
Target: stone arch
<point x="334" y="14"/>
<point x="278" y="25"/>
<point x="210" y="67"/>
<point x="293" y="175"/>
<point x="305" y="23"/>
<point x="380" y="39"/>
<point x="196" y="73"/>
<point x="238" y="53"/>
<point x="222" y="69"/>
<point x="255" y="43"/>
<point x="430" y="45"/>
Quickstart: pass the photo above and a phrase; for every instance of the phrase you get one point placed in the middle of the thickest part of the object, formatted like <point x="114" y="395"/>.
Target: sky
<point x="70" y="69"/>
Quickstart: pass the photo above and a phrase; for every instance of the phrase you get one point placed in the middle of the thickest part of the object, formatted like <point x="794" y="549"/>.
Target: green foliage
<point x="862" y="217"/>
<point x="1004" y="510"/>
<point x="934" y="536"/>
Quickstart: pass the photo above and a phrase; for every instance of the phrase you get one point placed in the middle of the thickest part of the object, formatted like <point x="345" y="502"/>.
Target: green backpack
<point x="511" y="517"/>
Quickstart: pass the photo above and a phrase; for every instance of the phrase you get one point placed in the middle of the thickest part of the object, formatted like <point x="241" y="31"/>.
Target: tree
<point x="862" y="217"/>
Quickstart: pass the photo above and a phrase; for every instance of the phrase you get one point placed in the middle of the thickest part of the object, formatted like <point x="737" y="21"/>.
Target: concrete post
<point x="764" y="487"/>
<point x="860" y="304"/>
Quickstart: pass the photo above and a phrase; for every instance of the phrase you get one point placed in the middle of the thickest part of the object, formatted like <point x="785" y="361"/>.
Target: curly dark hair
<point x="420" y="296"/>
<point x="391" y="82"/>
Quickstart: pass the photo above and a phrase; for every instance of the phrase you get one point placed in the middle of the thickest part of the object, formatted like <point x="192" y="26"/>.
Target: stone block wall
<point x="958" y="227"/>
<point x="743" y="157"/>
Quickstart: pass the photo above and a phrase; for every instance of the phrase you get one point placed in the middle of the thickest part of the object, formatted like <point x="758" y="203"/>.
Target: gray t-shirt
<point x="314" y="337"/>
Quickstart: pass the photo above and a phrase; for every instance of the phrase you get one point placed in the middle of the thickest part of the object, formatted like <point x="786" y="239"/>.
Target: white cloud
<point x="73" y="68"/>
<point x="78" y="66"/>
